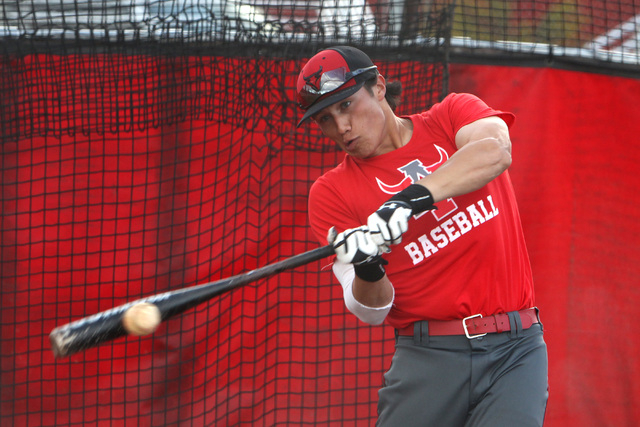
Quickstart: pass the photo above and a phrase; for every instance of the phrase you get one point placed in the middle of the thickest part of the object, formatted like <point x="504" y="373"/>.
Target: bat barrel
<point x="90" y="331"/>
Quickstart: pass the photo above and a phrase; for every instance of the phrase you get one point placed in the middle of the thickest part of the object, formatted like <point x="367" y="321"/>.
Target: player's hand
<point x="354" y="246"/>
<point x="389" y="222"/>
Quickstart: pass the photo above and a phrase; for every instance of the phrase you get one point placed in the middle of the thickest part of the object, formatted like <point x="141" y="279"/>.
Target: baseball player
<point x="423" y="218"/>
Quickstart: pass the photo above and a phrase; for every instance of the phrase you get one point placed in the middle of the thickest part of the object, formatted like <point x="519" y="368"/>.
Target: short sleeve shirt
<point x="468" y="256"/>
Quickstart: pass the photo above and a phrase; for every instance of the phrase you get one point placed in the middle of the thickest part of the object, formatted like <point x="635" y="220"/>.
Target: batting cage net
<point x="152" y="145"/>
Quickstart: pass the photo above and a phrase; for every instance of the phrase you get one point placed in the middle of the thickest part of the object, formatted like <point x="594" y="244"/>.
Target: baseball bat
<point x="107" y="325"/>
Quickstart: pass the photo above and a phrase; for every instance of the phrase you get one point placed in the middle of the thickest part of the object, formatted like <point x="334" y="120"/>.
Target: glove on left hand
<point x="354" y="246"/>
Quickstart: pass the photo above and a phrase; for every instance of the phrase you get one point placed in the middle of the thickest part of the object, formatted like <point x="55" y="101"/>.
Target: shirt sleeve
<point x="460" y="109"/>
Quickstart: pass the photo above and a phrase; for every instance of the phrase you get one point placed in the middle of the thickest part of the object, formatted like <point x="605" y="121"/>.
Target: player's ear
<point x="381" y="87"/>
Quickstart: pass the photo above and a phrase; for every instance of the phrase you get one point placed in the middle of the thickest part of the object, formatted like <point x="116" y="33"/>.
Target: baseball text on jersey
<point x="450" y="230"/>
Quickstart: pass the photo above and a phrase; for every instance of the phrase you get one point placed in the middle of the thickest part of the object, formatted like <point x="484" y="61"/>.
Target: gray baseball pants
<point x="498" y="380"/>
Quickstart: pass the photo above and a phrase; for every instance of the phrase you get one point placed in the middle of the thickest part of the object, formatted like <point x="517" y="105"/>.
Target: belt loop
<point x="516" y="324"/>
<point x="421" y="333"/>
<point x="538" y="317"/>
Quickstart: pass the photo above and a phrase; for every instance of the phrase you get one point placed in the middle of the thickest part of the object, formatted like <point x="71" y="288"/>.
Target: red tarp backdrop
<point x="576" y="171"/>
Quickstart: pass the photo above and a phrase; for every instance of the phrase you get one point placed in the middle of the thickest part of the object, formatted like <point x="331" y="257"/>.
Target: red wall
<point x="576" y="157"/>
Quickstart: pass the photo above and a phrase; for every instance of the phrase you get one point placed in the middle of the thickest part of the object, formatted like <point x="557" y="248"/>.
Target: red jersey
<point x="466" y="257"/>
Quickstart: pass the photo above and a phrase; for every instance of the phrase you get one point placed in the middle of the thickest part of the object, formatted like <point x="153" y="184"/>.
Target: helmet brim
<point x="329" y="100"/>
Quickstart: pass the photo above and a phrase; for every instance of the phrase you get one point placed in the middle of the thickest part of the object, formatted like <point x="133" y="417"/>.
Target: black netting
<point x="151" y="145"/>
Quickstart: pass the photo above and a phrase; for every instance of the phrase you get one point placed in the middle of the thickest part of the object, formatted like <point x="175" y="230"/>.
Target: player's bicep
<point x="488" y="127"/>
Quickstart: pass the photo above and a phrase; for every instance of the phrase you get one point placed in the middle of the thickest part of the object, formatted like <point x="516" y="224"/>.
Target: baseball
<point x="141" y="319"/>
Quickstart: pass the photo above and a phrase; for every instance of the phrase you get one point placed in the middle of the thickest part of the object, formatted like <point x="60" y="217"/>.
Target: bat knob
<point x="331" y="236"/>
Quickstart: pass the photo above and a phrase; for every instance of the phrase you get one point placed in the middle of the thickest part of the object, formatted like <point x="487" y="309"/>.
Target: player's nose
<point x="343" y="124"/>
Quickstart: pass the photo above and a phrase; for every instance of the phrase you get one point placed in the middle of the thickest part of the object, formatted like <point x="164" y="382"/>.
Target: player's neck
<point x="402" y="130"/>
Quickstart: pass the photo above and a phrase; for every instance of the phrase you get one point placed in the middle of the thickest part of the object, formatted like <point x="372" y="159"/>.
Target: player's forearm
<point x="373" y="294"/>
<point x="375" y="300"/>
<point x="469" y="169"/>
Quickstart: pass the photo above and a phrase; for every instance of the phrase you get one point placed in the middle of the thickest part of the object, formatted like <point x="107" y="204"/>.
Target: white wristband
<point x="371" y="315"/>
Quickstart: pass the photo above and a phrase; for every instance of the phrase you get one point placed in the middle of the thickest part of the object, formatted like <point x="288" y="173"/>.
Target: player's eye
<point x="322" y="118"/>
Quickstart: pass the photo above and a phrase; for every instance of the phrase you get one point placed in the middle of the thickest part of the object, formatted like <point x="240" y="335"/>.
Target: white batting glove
<point x="389" y="222"/>
<point x="354" y="246"/>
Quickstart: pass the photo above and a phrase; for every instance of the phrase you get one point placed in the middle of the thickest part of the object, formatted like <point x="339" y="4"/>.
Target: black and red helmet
<point x="330" y="76"/>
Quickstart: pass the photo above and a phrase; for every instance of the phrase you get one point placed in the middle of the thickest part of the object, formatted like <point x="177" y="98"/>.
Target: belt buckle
<point x="466" y="330"/>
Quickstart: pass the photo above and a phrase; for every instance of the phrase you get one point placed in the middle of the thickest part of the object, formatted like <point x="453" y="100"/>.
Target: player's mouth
<point x="349" y="144"/>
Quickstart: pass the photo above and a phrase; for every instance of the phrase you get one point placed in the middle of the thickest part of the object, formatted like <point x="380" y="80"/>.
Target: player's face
<point x="357" y="123"/>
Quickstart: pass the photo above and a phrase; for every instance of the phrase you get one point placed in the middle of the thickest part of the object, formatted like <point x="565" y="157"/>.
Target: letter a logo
<point x="414" y="171"/>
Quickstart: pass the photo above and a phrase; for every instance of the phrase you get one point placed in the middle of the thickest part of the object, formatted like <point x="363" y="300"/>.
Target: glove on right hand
<point x="389" y="222"/>
<point x="354" y="246"/>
